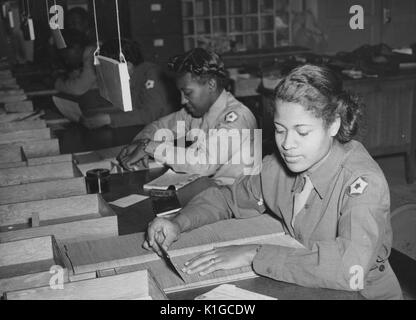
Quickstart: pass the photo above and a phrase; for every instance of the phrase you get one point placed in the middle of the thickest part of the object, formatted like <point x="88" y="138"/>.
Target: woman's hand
<point x="126" y="151"/>
<point x="135" y="159"/>
<point x="133" y="156"/>
<point x="161" y="232"/>
<point x="221" y="259"/>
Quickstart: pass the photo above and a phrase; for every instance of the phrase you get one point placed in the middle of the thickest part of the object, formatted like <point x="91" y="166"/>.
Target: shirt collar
<point x="216" y="109"/>
<point x="324" y="173"/>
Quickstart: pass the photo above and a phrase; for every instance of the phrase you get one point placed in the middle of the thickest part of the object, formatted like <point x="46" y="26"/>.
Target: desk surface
<point x="276" y="289"/>
<point x="135" y="218"/>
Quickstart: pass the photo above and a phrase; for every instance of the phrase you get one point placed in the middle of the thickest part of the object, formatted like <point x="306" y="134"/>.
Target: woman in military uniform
<point x="208" y="108"/>
<point x="328" y="192"/>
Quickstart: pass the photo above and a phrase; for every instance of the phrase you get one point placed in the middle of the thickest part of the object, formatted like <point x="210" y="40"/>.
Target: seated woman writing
<point x="326" y="189"/>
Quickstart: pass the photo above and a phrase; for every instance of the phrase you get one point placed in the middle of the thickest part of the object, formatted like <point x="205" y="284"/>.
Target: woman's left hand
<point x="221" y="259"/>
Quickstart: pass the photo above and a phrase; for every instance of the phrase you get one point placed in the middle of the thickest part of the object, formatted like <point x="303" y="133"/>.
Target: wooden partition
<point x="43" y="190"/>
<point x="78" y="218"/>
<point x="139" y="285"/>
<point x="27" y="263"/>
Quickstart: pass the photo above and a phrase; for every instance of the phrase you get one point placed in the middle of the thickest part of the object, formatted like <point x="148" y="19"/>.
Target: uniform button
<point x="381" y="268"/>
<point x="269" y="270"/>
<point x="307" y="206"/>
<point x="300" y="237"/>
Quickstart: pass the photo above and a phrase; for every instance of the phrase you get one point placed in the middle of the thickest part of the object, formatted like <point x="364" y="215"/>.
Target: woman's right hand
<point x="126" y="151"/>
<point x="161" y="232"/>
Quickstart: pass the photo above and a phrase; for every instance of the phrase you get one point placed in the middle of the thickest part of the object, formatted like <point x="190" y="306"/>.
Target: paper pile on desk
<point x="171" y="178"/>
<point x="129" y="200"/>
<point x="232" y="292"/>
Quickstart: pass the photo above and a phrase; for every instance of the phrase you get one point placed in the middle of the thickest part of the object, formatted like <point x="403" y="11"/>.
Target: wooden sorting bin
<point x="86" y="217"/>
<point x="27" y="263"/>
<point x="139" y="285"/>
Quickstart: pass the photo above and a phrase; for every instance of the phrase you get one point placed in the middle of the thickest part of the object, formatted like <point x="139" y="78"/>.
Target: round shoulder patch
<point x="150" y="84"/>
<point x="231" y="116"/>
<point x="358" y="187"/>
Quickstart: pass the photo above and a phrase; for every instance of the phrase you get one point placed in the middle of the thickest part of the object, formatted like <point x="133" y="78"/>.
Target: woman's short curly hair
<point x="202" y="64"/>
<point x="320" y="91"/>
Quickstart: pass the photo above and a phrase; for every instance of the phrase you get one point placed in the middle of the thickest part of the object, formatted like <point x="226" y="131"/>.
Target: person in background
<point x="324" y="186"/>
<point x="153" y="93"/>
<point x="75" y="19"/>
<point x="201" y="79"/>
<point x="78" y="18"/>
<point x="78" y="57"/>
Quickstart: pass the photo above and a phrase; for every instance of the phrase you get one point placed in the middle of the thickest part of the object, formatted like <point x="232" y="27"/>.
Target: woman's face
<point x="301" y="138"/>
<point x="197" y="97"/>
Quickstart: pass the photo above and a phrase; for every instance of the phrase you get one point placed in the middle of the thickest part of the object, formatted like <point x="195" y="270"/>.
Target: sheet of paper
<point x="129" y="200"/>
<point x="171" y="178"/>
<point x="232" y="292"/>
<point x="68" y="108"/>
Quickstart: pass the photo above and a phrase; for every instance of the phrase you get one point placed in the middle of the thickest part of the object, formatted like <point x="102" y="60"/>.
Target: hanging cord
<point x="97" y="51"/>
<point x="122" y="59"/>
<point x="28" y="8"/>
<point x="23" y="8"/>
<point x="47" y="12"/>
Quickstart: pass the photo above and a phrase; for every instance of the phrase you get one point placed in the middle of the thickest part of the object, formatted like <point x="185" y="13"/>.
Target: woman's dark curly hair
<point x="202" y="64"/>
<point x="320" y="91"/>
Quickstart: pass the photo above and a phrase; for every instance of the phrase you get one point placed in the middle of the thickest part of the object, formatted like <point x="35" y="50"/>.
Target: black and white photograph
<point x="215" y="156"/>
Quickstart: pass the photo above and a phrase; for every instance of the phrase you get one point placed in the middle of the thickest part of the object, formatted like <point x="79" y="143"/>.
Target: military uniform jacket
<point x="226" y="114"/>
<point x="152" y="95"/>
<point x="82" y="81"/>
<point x="344" y="226"/>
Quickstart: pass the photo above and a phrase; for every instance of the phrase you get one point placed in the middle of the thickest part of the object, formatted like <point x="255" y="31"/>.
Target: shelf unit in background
<point x="156" y="25"/>
<point x="236" y="25"/>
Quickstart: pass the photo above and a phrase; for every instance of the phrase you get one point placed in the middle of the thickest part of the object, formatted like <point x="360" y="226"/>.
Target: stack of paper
<point x="231" y="292"/>
<point x="171" y="178"/>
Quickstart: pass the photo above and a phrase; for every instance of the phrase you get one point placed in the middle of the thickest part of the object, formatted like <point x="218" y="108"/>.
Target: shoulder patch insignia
<point x="358" y="187"/>
<point x="231" y="117"/>
<point x="150" y="84"/>
<point x="260" y="202"/>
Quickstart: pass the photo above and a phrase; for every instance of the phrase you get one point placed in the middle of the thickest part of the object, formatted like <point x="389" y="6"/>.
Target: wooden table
<point x="130" y="221"/>
<point x="276" y="289"/>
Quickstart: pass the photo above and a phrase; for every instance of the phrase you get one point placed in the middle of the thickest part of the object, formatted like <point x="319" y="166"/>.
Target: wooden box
<point x="22" y="125"/>
<point x="37" y="161"/>
<point x="78" y="218"/>
<point x="38" y="173"/>
<point x="25" y="135"/>
<point x="19" y="106"/>
<point x="43" y="190"/>
<point x="50" y="159"/>
<point x="21" y="151"/>
<point x="12" y="98"/>
<point x="27" y="263"/>
<point x="104" y="159"/>
<point x="139" y="285"/>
